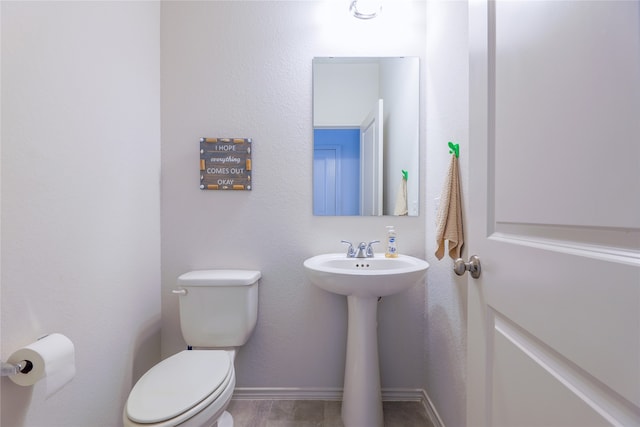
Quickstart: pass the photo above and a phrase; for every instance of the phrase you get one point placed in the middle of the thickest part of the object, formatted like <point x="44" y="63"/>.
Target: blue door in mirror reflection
<point x="336" y="172"/>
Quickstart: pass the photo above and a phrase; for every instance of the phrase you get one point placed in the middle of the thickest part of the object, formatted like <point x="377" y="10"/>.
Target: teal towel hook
<point x="454" y="149"/>
<point x="405" y="174"/>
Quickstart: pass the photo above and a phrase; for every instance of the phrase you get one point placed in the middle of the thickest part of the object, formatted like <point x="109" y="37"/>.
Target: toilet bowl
<point x="191" y="389"/>
<point x="218" y="312"/>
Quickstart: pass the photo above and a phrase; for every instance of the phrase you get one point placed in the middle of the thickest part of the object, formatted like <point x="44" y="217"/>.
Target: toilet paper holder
<point x="22" y="367"/>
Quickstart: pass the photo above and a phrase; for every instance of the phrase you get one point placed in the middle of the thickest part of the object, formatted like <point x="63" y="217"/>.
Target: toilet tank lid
<point x="219" y="278"/>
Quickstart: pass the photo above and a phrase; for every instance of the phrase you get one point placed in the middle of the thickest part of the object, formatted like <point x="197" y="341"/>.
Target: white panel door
<point x="554" y="213"/>
<point x="325" y="183"/>
<point x="371" y="163"/>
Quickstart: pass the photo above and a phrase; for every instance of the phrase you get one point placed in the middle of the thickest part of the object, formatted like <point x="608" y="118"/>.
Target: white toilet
<point x="218" y="312"/>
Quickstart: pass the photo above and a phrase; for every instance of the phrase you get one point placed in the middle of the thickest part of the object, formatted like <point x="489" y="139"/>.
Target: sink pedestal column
<point x="362" y="399"/>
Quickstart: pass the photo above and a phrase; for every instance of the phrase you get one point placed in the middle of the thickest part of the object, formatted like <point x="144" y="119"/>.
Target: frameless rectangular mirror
<point x="366" y="136"/>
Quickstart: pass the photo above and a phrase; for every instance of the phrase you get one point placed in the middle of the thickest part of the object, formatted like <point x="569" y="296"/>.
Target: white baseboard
<point x="286" y="393"/>
<point x="294" y="393"/>
<point x="432" y="413"/>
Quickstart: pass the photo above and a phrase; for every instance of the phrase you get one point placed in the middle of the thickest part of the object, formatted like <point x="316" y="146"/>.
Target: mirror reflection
<point x="366" y="136"/>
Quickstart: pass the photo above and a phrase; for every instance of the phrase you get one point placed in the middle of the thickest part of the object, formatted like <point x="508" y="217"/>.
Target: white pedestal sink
<point x="363" y="280"/>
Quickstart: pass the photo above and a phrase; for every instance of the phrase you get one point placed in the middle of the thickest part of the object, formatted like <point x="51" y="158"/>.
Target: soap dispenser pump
<point x="392" y="248"/>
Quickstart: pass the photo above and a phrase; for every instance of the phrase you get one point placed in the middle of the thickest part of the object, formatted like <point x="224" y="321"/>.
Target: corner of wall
<point x="447" y="120"/>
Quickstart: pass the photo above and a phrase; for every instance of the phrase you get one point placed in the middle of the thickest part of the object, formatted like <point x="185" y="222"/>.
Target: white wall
<point x="220" y="78"/>
<point x="81" y="257"/>
<point x="344" y="95"/>
<point x="447" y="120"/>
<point x="80" y="200"/>
<point x="402" y="98"/>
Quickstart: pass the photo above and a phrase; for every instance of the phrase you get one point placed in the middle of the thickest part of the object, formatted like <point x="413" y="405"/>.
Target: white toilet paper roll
<point x="52" y="357"/>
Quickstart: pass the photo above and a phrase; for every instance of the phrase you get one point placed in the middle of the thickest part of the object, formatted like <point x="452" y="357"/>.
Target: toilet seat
<point x="180" y="387"/>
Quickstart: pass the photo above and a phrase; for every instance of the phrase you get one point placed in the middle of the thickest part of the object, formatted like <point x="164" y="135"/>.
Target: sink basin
<point x="362" y="281"/>
<point x="366" y="277"/>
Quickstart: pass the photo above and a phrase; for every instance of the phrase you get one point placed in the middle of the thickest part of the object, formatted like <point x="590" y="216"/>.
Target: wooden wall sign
<point x="225" y="163"/>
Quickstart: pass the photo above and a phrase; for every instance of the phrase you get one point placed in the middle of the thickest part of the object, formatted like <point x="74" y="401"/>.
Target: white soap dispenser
<point x="392" y="248"/>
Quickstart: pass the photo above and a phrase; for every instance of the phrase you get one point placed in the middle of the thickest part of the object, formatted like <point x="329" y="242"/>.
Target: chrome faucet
<point x="351" y="253"/>
<point x="370" y="248"/>
<point x="364" y="250"/>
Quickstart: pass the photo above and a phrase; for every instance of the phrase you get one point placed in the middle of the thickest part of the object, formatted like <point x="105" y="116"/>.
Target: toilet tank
<point x="218" y="308"/>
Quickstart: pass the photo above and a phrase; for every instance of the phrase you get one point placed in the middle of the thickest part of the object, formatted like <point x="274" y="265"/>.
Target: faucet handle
<point x="370" y="248"/>
<point x="350" y="251"/>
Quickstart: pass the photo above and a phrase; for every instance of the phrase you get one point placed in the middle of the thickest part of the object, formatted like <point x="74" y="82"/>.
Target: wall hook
<point x="405" y="174"/>
<point x="454" y="149"/>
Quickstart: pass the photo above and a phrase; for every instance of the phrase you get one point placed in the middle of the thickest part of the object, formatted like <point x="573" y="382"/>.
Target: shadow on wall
<point x="145" y="355"/>
<point x="15" y="401"/>
<point x="446" y="339"/>
<point x="146" y="350"/>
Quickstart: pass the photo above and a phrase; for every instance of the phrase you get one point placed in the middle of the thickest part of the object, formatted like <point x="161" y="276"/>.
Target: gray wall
<point x="220" y="78"/>
<point x="82" y="257"/>
<point x="80" y="200"/>
<point x="447" y="110"/>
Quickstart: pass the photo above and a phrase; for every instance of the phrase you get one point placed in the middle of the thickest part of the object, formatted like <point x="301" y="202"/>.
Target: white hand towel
<point x="449" y="218"/>
<point x="401" y="207"/>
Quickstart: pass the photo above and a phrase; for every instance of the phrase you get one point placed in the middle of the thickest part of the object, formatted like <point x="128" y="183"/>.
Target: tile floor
<point x="318" y="413"/>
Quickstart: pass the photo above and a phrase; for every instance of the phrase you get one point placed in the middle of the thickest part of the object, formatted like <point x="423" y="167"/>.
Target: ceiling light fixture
<point x="365" y="9"/>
